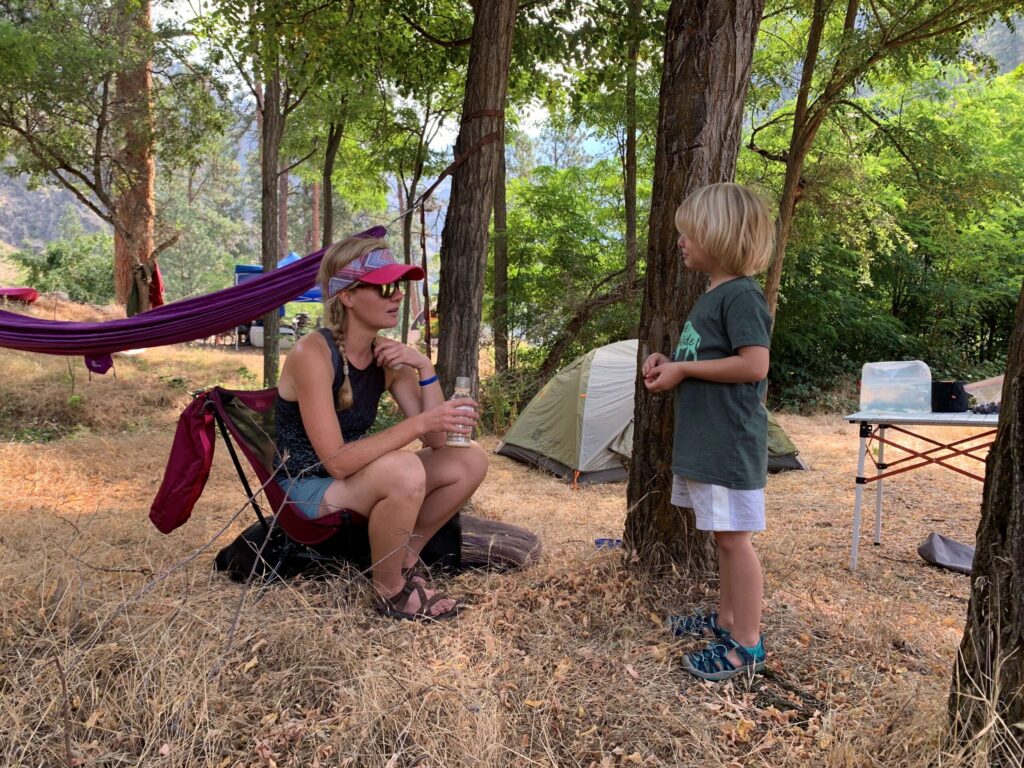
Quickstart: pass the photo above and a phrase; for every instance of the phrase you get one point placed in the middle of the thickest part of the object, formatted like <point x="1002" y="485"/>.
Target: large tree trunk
<point x="464" y="238"/>
<point x="270" y="145"/>
<point x="499" y="314"/>
<point x="330" y="156"/>
<point x="134" y="205"/>
<point x="986" y="702"/>
<point x="708" y="50"/>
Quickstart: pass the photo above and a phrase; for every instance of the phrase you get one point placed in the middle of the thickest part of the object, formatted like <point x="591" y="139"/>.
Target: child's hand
<point x="653" y="360"/>
<point x="663" y="377"/>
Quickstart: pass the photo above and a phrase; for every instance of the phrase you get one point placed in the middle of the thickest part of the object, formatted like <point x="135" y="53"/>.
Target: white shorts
<point x="719" y="508"/>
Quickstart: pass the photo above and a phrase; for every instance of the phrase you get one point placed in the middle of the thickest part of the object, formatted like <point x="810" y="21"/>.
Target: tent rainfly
<point x="580" y="425"/>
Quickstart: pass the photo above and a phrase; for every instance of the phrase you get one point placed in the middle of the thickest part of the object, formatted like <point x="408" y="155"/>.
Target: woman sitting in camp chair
<point x="327" y="400"/>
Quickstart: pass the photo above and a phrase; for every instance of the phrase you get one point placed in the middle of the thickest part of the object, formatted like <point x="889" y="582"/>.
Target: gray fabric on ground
<point x="947" y="553"/>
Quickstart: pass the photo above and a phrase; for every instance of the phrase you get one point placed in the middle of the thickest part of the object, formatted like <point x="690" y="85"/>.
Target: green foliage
<point x="388" y="415"/>
<point x="201" y="206"/>
<point x="502" y="397"/>
<point x="566" y="244"/>
<point x="906" y="242"/>
<point x="246" y="377"/>
<point x="78" y="264"/>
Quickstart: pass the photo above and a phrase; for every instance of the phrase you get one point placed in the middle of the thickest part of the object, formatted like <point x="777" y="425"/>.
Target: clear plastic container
<point x="898" y="386"/>
<point x="462" y="389"/>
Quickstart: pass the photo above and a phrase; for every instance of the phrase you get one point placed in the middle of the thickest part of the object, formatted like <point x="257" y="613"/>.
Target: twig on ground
<point x="68" y="755"/>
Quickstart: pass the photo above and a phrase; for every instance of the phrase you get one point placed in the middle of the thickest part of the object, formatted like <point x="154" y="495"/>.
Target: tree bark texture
<point x="465" y="234"/>
<point x="330" y="156"/>
<point x="499" y="315"/>
<point x="270" y="145"/>
<point x="405" y="199"/>
<point x="426" y="282"/>
<point x="708" y="51"/>
<point x="986" y="702"/>
<point x="135" y="172"/>
<point x="314" y="217"/>
<point x="282" y="211"/>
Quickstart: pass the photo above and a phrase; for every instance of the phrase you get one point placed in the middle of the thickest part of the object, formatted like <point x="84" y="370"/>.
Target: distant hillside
<point x="1004" y="45"/>
<point x="8" y="272"/>
<point x="30" y="218"/>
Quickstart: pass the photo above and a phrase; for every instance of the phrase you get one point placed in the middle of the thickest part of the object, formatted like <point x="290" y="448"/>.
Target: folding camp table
<point x="873" y="426"/>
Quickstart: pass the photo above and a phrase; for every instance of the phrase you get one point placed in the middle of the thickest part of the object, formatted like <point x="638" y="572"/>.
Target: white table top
<point x="966" y="419"/>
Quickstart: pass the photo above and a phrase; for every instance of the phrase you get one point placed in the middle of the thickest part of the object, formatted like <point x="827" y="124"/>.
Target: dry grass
<point x="168" y="664"/>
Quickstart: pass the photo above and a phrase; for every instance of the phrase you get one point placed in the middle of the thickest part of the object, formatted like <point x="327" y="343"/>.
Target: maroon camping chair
<point x="247" y="418"/>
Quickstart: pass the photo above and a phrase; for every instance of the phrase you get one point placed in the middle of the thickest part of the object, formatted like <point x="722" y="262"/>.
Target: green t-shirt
<point x="721" y="430"/>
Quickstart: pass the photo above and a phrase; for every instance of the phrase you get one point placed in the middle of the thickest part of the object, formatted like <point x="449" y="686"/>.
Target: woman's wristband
<point x="428" y="382"/>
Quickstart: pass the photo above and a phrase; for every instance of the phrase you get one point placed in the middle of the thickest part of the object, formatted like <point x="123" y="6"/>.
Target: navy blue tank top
<point x="292" y="440"/>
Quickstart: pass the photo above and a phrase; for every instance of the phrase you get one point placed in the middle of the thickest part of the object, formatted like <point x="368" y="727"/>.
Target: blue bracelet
<point x="427" y="382"/>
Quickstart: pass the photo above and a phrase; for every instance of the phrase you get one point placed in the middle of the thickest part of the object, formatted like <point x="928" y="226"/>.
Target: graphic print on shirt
<point x="689" y="343"/>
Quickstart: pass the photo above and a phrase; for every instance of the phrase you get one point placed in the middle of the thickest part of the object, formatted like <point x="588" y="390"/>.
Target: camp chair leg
<point x="878" y="491"/>
<point x="238" y="468"/>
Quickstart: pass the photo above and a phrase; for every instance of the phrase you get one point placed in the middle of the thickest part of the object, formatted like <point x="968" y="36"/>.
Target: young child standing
<point x="719" y="457"/>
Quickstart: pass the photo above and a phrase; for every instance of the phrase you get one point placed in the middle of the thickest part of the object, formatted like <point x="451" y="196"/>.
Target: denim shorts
<point x="306" y="494"/>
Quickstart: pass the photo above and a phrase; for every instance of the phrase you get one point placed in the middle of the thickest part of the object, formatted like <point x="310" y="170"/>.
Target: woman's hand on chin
<point x="391" y="353"/>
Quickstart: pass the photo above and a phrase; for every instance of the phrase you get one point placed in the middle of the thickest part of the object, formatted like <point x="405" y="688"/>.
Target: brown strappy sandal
<point x="392" y="606"/>
<point x="418" y="573"/>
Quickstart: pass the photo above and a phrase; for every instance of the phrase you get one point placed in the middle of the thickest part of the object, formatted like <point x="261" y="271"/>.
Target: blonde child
<point x="719" y="457"/>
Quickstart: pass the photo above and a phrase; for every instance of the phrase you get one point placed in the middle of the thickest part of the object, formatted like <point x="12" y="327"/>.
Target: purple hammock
<point x="172" y="323"/>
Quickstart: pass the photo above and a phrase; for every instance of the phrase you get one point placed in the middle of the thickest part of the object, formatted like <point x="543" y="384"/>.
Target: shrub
<point x="82" y="266"/>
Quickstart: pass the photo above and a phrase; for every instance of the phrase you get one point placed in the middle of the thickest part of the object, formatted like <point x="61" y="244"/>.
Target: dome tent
<point x="580" y="425"/>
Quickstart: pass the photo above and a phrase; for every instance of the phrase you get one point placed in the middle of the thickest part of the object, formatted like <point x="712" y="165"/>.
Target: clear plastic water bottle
<point x="462" y="389"/>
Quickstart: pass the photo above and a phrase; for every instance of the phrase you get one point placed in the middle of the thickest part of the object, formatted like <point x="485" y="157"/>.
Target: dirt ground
<point x="120" y="646"/>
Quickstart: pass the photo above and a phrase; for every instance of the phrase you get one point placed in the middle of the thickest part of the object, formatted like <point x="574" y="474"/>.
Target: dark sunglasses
<point x="386" y="291"/>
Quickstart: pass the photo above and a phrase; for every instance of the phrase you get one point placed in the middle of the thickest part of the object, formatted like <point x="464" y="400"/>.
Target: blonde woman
<point x="327" y="399"/>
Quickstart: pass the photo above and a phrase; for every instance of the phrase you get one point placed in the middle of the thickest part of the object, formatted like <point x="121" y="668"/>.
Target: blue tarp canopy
<point x="244" y="272"/>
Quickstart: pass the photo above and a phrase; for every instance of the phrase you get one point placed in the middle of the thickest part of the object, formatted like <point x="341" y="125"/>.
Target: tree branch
<point x="58" y="164"/>
<point x="582" y="314"/>
<point x="432" y="38"/>
<point x="173" y="240"/>
<point x="302" y="159"/>
<point x="887" y="132"/>
<point x="101" y="122"/>
<point x="777" y="157"/>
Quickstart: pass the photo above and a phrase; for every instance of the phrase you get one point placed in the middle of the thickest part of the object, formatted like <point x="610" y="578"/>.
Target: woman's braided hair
<point x="337" y="256"/>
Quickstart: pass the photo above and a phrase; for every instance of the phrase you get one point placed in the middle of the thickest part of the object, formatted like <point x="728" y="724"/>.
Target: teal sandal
<point x="712" y="663"/>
